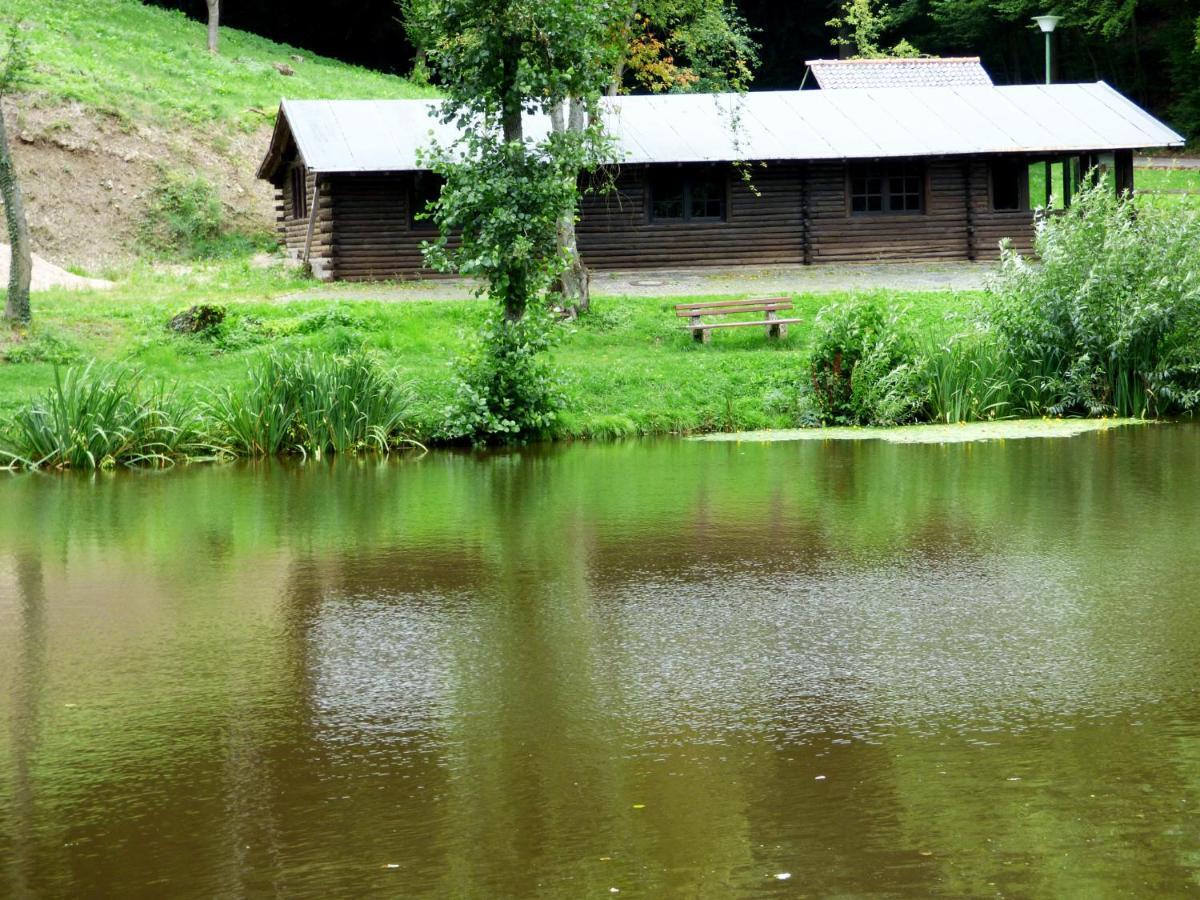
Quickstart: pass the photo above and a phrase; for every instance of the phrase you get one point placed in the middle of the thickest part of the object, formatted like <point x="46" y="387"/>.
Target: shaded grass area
<point x="631" y="368"/>
<point x="139" y="62"/>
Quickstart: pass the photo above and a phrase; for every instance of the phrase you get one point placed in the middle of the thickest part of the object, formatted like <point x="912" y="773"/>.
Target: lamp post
<point x="1047" y="24"/>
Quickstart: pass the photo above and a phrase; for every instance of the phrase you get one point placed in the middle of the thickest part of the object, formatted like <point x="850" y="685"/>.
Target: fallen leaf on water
<point x="639" y="806"/>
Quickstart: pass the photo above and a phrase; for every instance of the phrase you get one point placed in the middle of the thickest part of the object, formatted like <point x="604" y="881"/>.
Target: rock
<point x="198" y="318"/>
<point x="297" y="57"/>
<point x="284" y="69"/>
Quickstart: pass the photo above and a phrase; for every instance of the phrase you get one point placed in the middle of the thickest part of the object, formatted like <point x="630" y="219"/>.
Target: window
<point x="426" y="189"/>
<point x="1010" y="184"/>
<point x="886" y="188"/>
<point x="679" y="196"/>
<point x="299" y="193"/>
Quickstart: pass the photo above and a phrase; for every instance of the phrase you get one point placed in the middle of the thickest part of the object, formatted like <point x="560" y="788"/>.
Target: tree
<point x="214" y="24"/>
<point x="660" y="45"/>
<point x="860" y="28"/>
<point x="683" y="45"/>
<point x="507" y="192"/>
<point x="13" y="67"/>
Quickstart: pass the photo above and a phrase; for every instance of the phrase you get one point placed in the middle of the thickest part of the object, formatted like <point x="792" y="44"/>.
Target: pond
<point x="663" y="668"/>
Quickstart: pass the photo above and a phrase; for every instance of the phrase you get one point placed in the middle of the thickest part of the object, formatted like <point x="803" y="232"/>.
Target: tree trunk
<point x="515" y="298"/>
<point x="214" y="22"/>
<point x="16" y="309"/>
<point x="573" y="283"/>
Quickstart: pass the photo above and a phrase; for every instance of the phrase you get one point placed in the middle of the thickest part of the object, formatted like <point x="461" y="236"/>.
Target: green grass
<point x="141" y="63"/>
<point x="632" y="369"/>
<point x="1148" y="182"/>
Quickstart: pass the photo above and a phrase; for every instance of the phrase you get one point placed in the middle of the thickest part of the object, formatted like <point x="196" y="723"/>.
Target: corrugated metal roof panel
<point x="840" y="74"/>
<point x="387" y="135"/>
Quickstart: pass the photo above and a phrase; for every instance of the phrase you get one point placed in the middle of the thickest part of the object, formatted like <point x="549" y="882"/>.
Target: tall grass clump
<point x="313" y="405"/>
<point x="863" y="367"/>
<point x="1107" y="321"/>
<point x="99" y="417"/>
<point x="971" y="378"/>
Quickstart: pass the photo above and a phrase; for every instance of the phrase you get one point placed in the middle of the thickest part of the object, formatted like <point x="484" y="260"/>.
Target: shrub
<point x="313" y="405"/>
<point x="184" y="219"/>
<point x="198" y="319"/>
<point x="98" y="417"/>
<point x="183" y="216"/>
<point x="504" y="388"/>
<point x="863" y="368"/>
<point x="1109" y="320"/>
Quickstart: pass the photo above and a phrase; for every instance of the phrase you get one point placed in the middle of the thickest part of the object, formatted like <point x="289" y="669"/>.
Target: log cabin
<point x="847" y="175"/>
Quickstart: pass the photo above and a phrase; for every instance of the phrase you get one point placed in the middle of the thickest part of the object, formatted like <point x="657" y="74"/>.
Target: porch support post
<point x="312" y="217"/>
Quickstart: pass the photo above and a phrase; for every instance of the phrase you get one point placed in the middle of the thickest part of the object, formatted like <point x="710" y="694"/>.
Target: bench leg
<point x="703" y="335"/>
<point x="776" y="331"/>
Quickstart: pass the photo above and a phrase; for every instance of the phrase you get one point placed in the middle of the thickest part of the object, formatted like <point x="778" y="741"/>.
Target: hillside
<point x="122" y="93"/>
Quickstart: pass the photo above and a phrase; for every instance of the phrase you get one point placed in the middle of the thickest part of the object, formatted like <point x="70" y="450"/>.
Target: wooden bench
<point x="770" y="307"/>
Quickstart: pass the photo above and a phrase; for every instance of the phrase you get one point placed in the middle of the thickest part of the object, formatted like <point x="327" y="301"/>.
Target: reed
<point x="100" y="417"/>
<point x="314" y="405"/>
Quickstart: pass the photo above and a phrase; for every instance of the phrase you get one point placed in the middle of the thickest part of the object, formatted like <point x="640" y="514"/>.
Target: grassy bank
<point x="142" y="63"/>
<point x="631" y="368"/>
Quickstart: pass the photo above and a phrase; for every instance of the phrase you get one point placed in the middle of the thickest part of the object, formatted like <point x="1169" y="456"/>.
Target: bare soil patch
<point x="86" y="175"/>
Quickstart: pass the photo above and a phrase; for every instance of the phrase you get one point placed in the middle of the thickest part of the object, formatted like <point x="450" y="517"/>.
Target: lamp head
<point x="1047" y="23"/>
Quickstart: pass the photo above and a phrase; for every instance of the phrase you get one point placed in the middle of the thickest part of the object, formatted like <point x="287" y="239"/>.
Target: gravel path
<point x="820" y="279"/>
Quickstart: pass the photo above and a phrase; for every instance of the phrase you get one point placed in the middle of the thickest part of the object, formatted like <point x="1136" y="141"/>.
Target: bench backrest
<point x="729" y="307"/>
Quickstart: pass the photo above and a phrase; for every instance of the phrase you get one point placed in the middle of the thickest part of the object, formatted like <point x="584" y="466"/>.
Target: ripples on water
<point x="671" y="669"/>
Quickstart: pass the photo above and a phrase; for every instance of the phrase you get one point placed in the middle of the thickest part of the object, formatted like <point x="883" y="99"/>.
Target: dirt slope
<point x="85" y="176"/>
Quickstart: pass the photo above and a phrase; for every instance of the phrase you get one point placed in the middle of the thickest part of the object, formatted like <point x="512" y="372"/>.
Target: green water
<point x="673" y="669"/>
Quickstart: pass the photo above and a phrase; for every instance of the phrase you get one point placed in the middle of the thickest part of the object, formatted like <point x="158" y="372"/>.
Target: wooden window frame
<point x="299" y="188"/>
<point x="1023" y="198"/>
<point x="688" y="178"/>
<point x="415" y="224"/>
<point x="922" y="173"/>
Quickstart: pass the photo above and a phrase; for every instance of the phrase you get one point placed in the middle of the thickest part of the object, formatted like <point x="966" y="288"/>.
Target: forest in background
<point x="1147" y="49"/>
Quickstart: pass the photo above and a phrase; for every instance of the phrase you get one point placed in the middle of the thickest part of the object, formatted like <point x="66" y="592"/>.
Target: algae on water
<point x="934" y="434"/>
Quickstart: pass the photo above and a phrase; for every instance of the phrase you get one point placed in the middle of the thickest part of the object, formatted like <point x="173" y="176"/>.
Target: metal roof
<point x="386" y="135"/>
<point x="937" y="71"/>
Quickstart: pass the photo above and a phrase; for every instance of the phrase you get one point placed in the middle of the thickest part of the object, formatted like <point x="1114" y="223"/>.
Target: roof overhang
<point x="361" y="136"/>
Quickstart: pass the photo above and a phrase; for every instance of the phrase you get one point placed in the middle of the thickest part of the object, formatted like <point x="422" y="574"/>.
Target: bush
<point x="184" y="219"/>
<point x="505" y="390"/>
<point x="1108" y="322"/>
<point x="863" y="367"/>
<point x="97" y="418"/>
<point x="312" y="405"/>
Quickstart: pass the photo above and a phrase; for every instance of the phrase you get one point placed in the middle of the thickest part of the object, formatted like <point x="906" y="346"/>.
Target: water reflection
<point x="673" y="669"/>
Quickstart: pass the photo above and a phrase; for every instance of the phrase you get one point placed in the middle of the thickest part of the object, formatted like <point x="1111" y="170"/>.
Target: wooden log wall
<point x="791" y="213"/>
<point x="958" y="222"/>
<point x="762" y="228"/>
<point x="293" y="229"/>
<point x="991" y="226"/>
<point x="374" y="238"/>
